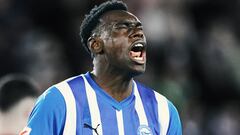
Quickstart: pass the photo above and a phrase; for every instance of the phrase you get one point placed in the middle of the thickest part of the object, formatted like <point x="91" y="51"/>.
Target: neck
<point x="116" y="84"/>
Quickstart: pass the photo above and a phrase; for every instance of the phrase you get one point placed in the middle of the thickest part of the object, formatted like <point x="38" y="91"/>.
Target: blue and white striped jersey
<point x="79" y="106"/>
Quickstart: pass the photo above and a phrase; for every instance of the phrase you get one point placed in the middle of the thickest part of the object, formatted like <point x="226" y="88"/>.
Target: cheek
<point x="120" y="48"/>
<point x="119" y="38"/>
<point x="117" y="46"/>
<point x="116" y="53"/>
<point x="120" y="42"/>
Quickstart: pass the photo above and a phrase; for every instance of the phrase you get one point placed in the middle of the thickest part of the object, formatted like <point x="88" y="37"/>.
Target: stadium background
<point x="193" y="52"/>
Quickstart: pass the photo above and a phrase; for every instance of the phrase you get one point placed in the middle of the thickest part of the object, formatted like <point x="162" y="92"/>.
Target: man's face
<point x="124" y="42"/>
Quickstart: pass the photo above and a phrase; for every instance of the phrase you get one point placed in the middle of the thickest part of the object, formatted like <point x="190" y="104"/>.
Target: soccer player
<point x="18" y="93"/>
<point x="107" y="100"/>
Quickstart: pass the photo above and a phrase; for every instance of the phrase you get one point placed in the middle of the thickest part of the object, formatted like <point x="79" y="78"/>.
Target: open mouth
<point x="137" y="52"/>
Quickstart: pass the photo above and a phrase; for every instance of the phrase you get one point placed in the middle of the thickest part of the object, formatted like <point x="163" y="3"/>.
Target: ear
<point x="95" y="44"/>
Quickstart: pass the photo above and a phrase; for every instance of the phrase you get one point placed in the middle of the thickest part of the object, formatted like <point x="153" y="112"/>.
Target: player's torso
<point x="99" y="114"/>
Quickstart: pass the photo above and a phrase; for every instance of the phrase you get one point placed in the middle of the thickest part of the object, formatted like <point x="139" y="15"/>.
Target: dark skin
<point x="115" y="64"/>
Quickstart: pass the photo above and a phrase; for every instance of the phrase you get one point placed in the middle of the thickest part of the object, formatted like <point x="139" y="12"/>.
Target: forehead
<point x="118" y="16"/>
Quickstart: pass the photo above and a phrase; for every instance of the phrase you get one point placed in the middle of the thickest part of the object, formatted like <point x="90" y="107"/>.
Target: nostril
<point x="138" y="35"/>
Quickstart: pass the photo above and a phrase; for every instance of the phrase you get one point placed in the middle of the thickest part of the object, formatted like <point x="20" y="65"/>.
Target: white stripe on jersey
<point x="70" y="123"/>
<point x="120" y="122"/>
<point x="93" y="107"/>
<point x="163" y="113"/>
<point x="139" y="107"/>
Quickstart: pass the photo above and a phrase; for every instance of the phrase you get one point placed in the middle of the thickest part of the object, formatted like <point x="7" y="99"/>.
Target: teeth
<point x="138" y="58"/>
<point x="138" y="45"/>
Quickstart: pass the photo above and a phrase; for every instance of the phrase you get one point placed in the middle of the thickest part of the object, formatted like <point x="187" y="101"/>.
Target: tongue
<point x="135" y="54"/>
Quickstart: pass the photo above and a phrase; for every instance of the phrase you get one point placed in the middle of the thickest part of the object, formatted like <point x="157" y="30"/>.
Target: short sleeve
<point x="48" y="115"/>
<point x="175" y="127"/>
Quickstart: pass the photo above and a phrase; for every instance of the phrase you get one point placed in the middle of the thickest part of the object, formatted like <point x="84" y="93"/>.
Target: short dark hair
<point x="15" y="87"/>
<point x="92" y="19"/>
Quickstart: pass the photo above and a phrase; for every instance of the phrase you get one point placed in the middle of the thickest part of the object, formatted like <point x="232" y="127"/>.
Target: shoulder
<point x="173" y="112"/>
<point x="51" y="96"/>
<point x="167" y="113"/>
<point x="150" y="94"/>
<point x="144" y="90"/>
<point x="165" y="104"/>
<point x="48" y="114"/>
<point x="175" y="125"/>
<point x="50" y="101"/>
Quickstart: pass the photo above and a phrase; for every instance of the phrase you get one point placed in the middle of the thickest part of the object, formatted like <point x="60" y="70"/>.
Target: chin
<point x="137" y="72"/>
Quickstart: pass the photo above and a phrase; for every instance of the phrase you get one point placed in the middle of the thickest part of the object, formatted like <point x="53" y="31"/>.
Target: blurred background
<point x="193" y="52"/>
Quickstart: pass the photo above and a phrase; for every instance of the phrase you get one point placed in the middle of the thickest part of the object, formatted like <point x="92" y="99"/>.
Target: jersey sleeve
<point x="175" y="127"/>
<point x="48" y="115"/>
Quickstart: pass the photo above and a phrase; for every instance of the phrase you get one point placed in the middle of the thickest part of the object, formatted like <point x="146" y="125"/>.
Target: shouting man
<point x="107" y="100"/>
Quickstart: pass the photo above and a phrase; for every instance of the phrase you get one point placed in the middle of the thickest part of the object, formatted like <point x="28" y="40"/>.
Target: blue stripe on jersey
<point x="150" y="107"/>
<point x="175" y="127"/>
<point x="83" y="115"/>
<point x="108" y="117"/>
<point x="130" y="119"/>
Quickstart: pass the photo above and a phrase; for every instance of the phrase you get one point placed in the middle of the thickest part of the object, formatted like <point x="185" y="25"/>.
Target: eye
<point x="139" y="26"/>
<point x="121" y="26"/>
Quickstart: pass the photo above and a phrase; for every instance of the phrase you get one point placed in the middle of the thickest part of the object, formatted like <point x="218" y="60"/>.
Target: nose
<point x="137" y="34"/>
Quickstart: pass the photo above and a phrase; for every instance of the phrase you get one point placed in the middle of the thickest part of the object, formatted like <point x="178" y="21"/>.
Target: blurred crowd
<point x="193" y="52"/>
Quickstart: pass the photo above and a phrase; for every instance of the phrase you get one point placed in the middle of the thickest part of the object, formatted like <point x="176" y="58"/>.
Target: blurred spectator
<point x="17" y="97"/>
<point x="223" y="36"/>
<point x="215" y="64"/>
<point x="42" y="58"/>
<point x="225" y="120"/>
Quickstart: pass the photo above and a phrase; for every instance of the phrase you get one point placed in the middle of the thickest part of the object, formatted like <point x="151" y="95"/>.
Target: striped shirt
<point x="78" y="106"/>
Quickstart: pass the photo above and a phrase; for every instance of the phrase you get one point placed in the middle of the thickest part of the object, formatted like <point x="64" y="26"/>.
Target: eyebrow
<point x="137" y="23"/>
